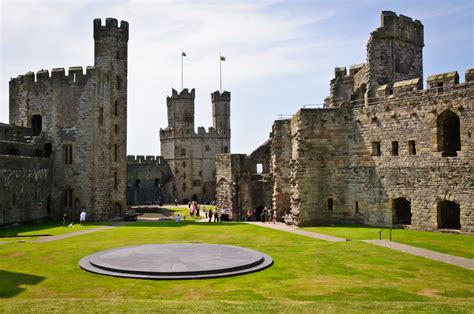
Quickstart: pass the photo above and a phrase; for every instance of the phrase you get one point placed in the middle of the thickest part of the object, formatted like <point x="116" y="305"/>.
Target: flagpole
<point x="220" y="72"/>
<point x="181" y="69"/>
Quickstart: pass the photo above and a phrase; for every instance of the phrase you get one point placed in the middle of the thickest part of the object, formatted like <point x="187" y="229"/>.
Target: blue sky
<point x="280" y="54"/>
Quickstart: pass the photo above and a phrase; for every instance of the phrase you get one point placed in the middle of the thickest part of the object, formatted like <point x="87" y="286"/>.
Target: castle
<point x="381" y="151"/>
<point x="190" y="155"/>
<point x="65" y="147"/>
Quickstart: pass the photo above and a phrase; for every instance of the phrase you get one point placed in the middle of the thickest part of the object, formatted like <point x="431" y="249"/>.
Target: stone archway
<point x="448" y="133"/>
<point x="449" y="215"/>
<point x="401" y="211"/>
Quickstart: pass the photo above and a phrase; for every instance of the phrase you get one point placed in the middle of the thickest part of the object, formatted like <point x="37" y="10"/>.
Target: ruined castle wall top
<point x="401" y="27"/>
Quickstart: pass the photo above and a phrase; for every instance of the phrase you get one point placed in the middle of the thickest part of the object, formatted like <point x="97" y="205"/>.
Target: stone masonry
<point x="84" y="118"/>
<point x="25" y="175"/>
<point x="190" y="155"/>
<point x="383" y="150"/>
<point x="149" y="181"/>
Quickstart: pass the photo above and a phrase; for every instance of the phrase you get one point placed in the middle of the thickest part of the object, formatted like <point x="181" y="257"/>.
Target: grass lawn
<point x="455" y="244"/>
<point x="28" y="232"/>
<point x="309" y="275"/>
<point x="183" y="210"/>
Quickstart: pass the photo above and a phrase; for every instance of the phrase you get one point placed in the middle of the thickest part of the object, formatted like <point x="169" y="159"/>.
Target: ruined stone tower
<point x="84" y="117"/>
<point x="394" y="54"/>
<point x="191" y="155"/>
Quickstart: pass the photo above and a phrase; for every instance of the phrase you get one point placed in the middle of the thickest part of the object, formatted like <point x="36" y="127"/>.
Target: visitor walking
<point x="65" y="220"/>
<point x="263" y="215"/>
<point x="216" y="215"/>
<point x="224" y="214"/>
<point x="82" y="217"/>
<point x="210" y="215"/>
<point x="274" y="216"/>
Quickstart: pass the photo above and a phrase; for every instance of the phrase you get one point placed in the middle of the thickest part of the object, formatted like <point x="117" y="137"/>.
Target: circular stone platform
<point x="176" y="261"/>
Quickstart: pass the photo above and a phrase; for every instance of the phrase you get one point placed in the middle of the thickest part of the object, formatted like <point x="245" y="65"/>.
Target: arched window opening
<point x="36" y="124"/>
<point x="449" y="215"/>
<point x="448" y="133"/>
<point x="401" y="211"/>
<point x="138" y="183"/>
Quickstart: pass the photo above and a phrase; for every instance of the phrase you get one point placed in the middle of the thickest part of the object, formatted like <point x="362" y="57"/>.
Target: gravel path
<point x="441" y="257"/>
<point x="78" y="233"/>
<point x="282" y="227"/>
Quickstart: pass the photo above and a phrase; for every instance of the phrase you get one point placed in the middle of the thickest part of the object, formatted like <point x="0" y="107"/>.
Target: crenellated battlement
<point x="400" y="27"/>
<point x="145" y="159"/>
<point x="437" y="84"/>
<point x="110" y="29"/>
<point x="217" y="96"/>
<point x="75" y="75"/>
<point x="169" y="133"/>
<point x="184" y="94"/>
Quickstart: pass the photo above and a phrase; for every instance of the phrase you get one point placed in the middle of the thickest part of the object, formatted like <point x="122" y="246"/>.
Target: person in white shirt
<point x="82" y="217"/>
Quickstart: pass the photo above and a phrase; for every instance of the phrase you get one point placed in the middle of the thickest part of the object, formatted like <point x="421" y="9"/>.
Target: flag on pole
<point x="222" y="58"/>
<point x="183" y="54"/>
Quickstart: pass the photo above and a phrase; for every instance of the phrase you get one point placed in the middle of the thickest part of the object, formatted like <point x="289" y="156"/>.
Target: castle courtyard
<point x="218" y="157"/>
<point x="309" y="275"/>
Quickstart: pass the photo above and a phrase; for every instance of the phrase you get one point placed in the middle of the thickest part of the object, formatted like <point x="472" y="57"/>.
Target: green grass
<point x="455" y="244"/>
<point x="28" y="232"/>
<point x="184" y="211"/>
<point x="308" y="275"/>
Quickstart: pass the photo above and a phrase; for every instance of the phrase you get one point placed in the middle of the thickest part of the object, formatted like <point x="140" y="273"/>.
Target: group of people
<point x="268" y="214"/>
<point x="82" y="219"/>
<point x="218" y="215"/>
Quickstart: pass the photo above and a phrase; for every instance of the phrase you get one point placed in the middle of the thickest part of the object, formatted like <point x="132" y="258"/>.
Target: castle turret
<point x="111" y="53"/>
<point x="181" y="112"/>
<point x="394" y="51"/>
<point x="221" y="112"/>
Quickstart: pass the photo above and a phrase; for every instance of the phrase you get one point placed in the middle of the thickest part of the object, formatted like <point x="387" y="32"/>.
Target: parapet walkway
<point x="441" y="257"/>
<point x="282" y="227"/>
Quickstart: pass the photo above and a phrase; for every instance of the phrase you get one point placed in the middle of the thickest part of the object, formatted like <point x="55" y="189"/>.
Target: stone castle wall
<point x="149" y="180"/>
<point x="88" y="112"/>
<point x="190" y="154"/>
<point x="25" y="175"/>
<point x="333" y="157"/>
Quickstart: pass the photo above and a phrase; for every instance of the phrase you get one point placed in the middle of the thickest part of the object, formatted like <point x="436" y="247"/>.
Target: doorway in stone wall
<point x="401" y="211"/>
<point x="449" y="215"/>
<point x="117" y="210"/>
<point x="37" y="124"/>
<point x="48" y="205"/>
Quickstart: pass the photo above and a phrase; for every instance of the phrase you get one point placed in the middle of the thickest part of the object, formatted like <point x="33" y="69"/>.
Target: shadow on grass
<point x="13" y="232"/>
<point x="10" y="282"/>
